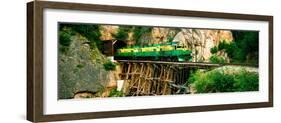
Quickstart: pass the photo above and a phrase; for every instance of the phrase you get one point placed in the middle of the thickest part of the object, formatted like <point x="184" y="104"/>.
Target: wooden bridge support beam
<point x="150" y="79"/>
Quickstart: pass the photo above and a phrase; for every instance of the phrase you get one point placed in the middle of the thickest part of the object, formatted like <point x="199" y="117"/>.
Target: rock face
<point x="79" y="71"/>
<point x="201" y="41"/>
<point x="107" y="31"/>
<point x="160" y="35"/>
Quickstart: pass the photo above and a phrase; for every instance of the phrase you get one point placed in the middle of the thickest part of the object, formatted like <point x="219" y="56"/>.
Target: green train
<point x="158" y="52"/>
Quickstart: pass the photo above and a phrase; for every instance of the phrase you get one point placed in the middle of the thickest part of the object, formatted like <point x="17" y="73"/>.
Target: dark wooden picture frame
<point x="35" y="60"/>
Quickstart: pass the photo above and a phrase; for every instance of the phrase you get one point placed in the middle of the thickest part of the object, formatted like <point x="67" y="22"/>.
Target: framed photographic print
<point x="96" y="61"/>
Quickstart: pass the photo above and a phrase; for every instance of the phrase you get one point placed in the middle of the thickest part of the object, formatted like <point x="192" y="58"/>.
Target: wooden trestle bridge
<point x="157" y="77"/>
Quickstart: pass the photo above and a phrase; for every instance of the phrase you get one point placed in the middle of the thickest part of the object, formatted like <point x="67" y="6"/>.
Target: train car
<point x="159" y="52"/>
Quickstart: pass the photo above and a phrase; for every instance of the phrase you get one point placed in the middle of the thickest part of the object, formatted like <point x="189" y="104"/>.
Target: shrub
<point x="222" y="45"/>
<point x="201" y="83"/>
<point x="222" y="81"/>
<point x="247" y="81"/>
<point x="109" y="66"/>
<point x="122" y="33"/>
<point x="244" y="47"/>
<point x="139" y="31"/>
<point x="217" y="59"/>
<point x="91" y="32"/>
<point x="65" y="39"/>
<point x="116" y="93"/>
<point x="214" y="50"/>
<point x="231" y="49"/>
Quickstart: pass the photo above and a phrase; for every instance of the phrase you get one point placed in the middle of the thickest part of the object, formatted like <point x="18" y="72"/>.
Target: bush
<point x="244" y="47"/>
<point x="214" y="50"/>
<point x="109" y="66"/>
<point x="221" y="81"/>
<point x="201" y="83"/>
<point x="217" y="59"/>
<point x="122" y="33"/>
<point x="116" y="93"/>
<point x="65" y="39"/>
<point x="247" y="81"/>
<point x="91" y="32"/>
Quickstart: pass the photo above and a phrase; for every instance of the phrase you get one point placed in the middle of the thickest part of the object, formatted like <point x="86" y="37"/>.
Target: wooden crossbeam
<point x="146" y="78"/>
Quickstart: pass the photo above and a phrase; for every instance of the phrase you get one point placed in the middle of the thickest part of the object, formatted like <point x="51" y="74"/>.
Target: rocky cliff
<point x="200" y="41"/>
<point x="107" y="31"/>
<point x="81" y="69"/>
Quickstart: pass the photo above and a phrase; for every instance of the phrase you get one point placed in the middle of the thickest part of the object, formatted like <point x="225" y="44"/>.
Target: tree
<point x="139" y="32"/>
<point x="247" y="43"/>
<point x="244" y="47"/>
<point x="123" y="33"/>
<point x="89" y="31"/>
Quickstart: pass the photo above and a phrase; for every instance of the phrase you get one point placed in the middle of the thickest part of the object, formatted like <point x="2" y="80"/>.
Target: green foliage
<point x="217" y="59"/>
<point x="116" y="93"/>
<point x="223" y="45"/>
<point x="109" y="66"/>
<point x="138" y="32"/>
<point x="247" y="43"/>
<point x="91" y="32"/>
<point x="65" y="39"/>
<point x="247" y="40"/>
<point x="231" y="50"/>
<point x="247" y="81"/>
<point x="214" y="50"/>
<point x="80" y="66"/>
<point x="170" y="38"/>
<point x="122" y="33"/>
<point x="222" y="81"/>
<point x="243" y="49"/>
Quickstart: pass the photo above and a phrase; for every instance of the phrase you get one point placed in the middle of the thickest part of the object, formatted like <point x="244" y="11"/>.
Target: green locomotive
<point x="158" y="52"/>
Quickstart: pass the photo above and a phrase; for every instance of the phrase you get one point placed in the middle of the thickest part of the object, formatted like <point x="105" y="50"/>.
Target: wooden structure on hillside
<point x="156" y="77"/>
